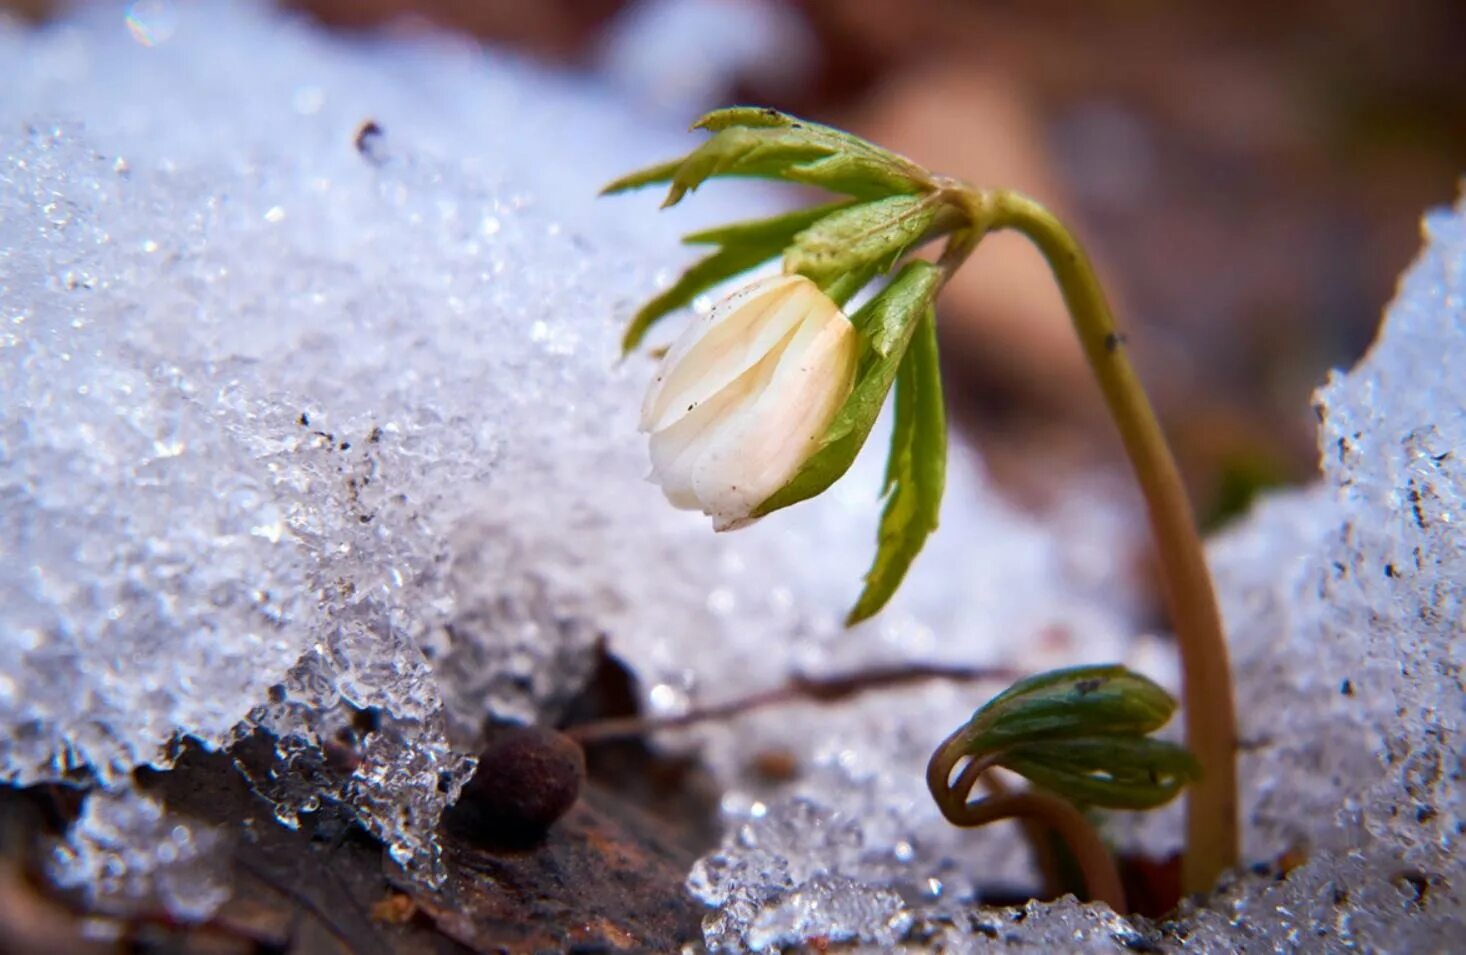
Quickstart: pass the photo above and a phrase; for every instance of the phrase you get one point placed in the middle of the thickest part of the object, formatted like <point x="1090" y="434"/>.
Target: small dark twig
<point x="798" y="689"/>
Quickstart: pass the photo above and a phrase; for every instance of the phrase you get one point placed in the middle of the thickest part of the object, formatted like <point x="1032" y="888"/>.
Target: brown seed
<point x="527" y="778"/>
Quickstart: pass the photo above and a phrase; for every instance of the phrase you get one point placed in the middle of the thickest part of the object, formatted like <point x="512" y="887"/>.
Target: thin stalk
<point x="1206" y="676"/>
<point x="1101" y="879"/>
<point x="828" y="689"/>
<point x="1035" y="809"/>
<point x="1039" y="836"/>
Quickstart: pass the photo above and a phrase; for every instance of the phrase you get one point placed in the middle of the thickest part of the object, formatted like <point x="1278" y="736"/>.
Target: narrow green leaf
<point x="714" y="122"/>
<point x="865" y="238"/>
<point x="839" y="141"/>
<point x="699" y="277"/>
<point x="740" y="151"/>
<point x="864" y="174"/>
<point x="1076" y="701"/>
<point x="661" y="172"/>
<point x="745" y="245"/>
<point x="751" y="143"/>
<point x="755" y="116"/>
<point x="915" y="471"/>
<point x="767" y="144"/>
<point x="1082" y="733"/>
<point x="1111" y="772"/>
<point x="760" y="231"/>
<point x="886" y="323"/>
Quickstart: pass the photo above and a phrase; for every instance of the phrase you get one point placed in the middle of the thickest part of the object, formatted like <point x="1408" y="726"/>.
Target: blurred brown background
<point x="1249" y="176"/>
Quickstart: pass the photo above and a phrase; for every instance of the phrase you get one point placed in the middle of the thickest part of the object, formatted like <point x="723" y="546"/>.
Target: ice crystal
<point x="126" y="853"/>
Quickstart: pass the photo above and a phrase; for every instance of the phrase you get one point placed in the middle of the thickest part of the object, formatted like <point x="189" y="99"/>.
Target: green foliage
<point x="1083" y="732"/>
<point x="767" y="144"/>
<point x="650" y="176"/>
<point x="915" y="471"/>
<point x="1110" y="772"/>
<point x="867" y="235"/>
<point x="743" y="245"/>
<point x="1109" y="700"/>
<point x="887" y="323"/>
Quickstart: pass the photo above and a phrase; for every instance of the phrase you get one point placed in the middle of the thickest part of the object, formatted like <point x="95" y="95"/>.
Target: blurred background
<point x="1249" y="176"/>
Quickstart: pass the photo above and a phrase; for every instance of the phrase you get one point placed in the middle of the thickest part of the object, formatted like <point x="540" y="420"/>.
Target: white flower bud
<point x="743" y="397"/>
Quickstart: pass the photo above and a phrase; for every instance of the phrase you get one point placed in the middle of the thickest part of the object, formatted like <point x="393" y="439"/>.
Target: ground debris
<point x="601" y="880"/>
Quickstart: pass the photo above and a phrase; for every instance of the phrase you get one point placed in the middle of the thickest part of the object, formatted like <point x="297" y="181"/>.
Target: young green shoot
<point x="765" y="402"/>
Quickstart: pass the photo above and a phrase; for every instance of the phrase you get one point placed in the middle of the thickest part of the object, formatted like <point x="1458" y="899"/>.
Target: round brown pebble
<point x="527" y="778"/>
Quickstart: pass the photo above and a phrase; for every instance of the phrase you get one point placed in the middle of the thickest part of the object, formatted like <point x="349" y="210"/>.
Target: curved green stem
<point x="1038" y="811"/>
<point x="1211" y="733"/>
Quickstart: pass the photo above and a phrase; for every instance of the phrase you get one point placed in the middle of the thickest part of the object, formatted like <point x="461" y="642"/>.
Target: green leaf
<point x="887" y="323"/>
<point x="1082" y="732"/>
<point x="772" y="145"/>
<point x="700" y="276"/>
<point x="756" y="153"/>
<point x="915" y="471"/>
<point x="661" y="172"/>
<point x="754" y="116"/>
<point x="1076" y="701"/>
<point x="842" y="289"/>
<point x="861" y="239"/>
<point x="903" y="172"/>
<point x="782" y="227"/>
<point x="1111" y="772"/>
<point x="744" y="246"/>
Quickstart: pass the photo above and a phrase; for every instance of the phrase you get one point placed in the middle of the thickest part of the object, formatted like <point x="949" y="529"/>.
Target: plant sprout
<point x="770" y="414"/>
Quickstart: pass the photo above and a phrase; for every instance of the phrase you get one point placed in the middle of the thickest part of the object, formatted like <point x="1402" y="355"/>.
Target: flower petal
<point x="721" y="346"/>
<point x="676" y="449"/>
<point x="763" y="442"/>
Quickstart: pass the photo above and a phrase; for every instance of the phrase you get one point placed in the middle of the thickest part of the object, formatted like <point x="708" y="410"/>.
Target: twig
<point x="800" y="688"/>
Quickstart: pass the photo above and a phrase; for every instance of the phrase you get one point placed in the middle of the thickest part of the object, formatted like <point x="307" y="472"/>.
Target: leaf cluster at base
<point x="1083" y="733"/>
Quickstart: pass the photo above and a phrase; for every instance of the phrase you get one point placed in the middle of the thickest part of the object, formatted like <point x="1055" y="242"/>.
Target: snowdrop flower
<point x="743" y="397"/>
